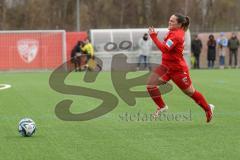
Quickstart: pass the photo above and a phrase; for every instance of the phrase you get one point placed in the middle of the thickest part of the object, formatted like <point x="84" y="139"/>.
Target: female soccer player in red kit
<point x="174" y="67"/>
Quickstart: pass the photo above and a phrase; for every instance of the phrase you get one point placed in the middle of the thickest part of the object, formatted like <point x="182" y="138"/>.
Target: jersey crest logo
<point x="169" y="43"/>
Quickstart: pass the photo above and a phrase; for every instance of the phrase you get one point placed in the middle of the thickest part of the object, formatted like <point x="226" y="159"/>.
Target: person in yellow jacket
<point x="89" y="50"/>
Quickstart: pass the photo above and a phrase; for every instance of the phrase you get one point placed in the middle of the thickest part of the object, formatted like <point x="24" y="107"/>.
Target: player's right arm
<point x="163" y="46"/>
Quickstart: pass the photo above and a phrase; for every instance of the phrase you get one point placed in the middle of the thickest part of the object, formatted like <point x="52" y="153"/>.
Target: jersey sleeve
<point x="167" y="45"/>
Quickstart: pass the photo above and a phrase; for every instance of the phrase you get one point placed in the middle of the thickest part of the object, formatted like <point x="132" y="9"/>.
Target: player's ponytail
<point x="186" y="23"/>
<point x="183" y="20"/>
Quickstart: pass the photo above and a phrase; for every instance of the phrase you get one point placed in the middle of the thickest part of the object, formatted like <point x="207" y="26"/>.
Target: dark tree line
<point x="206" y="15"/>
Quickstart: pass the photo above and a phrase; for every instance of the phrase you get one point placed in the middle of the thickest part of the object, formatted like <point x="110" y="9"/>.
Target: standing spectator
<point x="196" y="47"/>
<point x="221" y="56"/>
<point x="222" y="40"/>
<point x="211" y="53"/>
<point x="145" y="46"/>
<point x="233" y="45"/>
<point x="222" y="45"/>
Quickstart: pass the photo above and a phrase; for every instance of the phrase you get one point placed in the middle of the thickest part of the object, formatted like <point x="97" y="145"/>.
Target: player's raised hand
<point x="151" y="30"/>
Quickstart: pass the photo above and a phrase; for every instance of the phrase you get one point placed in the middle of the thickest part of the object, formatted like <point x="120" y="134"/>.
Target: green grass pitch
<point x="112" y="137"/>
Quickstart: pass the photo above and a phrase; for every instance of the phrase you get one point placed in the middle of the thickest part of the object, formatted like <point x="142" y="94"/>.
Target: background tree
<point x="206" y="15"/>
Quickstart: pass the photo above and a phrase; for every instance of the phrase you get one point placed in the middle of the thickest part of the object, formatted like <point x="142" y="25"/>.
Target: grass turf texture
<point x="109" y="137"/>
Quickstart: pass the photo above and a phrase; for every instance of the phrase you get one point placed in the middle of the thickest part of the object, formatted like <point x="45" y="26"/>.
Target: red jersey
<point x="172" y="50"/>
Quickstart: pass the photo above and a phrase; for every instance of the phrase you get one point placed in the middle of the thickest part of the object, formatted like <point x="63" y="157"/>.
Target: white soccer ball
<point x="26" y="127"/>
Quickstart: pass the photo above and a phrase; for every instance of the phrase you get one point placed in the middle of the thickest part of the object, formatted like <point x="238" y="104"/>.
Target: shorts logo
<point x="185" y="80"/>
<point x="27" y="49"/>
<point x="169" y="43"/>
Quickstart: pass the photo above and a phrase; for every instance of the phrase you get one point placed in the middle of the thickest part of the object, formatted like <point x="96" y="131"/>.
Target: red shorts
<point x="180" y="78"/>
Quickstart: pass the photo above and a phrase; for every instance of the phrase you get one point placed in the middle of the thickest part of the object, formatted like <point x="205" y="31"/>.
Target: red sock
<point x="156" y="96"/>
<point x="199" y="99"/>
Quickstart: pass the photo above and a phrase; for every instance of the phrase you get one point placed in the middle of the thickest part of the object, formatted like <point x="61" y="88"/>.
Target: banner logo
<point x="28" y="49"/>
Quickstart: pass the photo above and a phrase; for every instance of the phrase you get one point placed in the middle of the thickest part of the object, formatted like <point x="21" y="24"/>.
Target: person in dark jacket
<point x="196" y="47"/>
<point x="233" y="44"/>
<point x="211" y="52"/>
<point x="76" y="56"/>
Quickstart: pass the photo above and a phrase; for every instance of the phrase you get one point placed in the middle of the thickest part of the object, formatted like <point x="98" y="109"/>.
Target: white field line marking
<point x="5" y="86"/>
